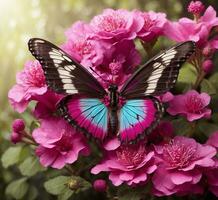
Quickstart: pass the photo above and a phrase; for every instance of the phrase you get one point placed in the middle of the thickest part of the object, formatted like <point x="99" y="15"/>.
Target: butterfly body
<point x="127" y="112"/>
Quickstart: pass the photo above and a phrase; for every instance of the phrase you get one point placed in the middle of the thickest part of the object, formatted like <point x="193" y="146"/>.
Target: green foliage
<point x="17" y="189"/>
<point x="56" y="185"/>
<point x="11" y="156"/>
<point x="65" y="186"/>
<point x="208" y="87"/>
<point x="30" y="166"/>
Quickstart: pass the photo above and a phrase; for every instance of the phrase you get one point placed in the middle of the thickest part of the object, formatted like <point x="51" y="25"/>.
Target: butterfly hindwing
<point x="159" y="74"/>
<point x="89" y="114"/>
<point x="138" y="117"/>
<point x="64" y="75"/>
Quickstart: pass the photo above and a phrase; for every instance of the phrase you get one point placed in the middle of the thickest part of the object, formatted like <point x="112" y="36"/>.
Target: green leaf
<point x="208" y="87"/>
<point x="214" y="79"/>
<point x="30" y="166"/>
<point x="32" y="193"/>
<point x="17" y="189"/>
<point x="181" y="126"/>
<point x="66" y="194"/>
<point x="11" y="156"/>
<point x="187" y="74"/>
<point x="56" y="185"/>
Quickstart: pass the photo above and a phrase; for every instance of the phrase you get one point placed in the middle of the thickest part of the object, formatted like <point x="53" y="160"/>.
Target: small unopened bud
<point x="100" y="185"/>
<point x="18" y="125"/>
<point x="73" y="184"/>
<point x="196" y="7"/>
<point x="16" y="137"/>
<point x="207" y="66"/>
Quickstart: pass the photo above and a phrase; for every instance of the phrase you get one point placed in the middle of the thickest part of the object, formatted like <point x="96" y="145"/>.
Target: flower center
<point x="178" y="155"/>
<point x="110" y="23"/>
<point x="148" y="22"/>
<point x="115" y="67"/>
<point x="35" y="76"/>
<point x="83" y="47"/>
<point x="194" y="104"/>
<point x="65" y="144"/>
<point x="131" y="155"/>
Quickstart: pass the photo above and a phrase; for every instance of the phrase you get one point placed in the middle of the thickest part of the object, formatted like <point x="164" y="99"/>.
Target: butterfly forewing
<point x="159" y="74"/>
<point x="64" y="75"/>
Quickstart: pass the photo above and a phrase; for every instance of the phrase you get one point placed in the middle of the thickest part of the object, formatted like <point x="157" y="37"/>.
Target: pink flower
<point x="100" y="185"/>
<point x="59" y="144"/>
<point x="180" y="166"/>
<point x="30" y="84"/>
<point x="198" y="31"/>
<point x="46" y="104"/>
<point x="196" y="7"/>
<point x="83" y="47"/>
<point x="111" y="144"/>
<point x="153" y="25"/>
<point x="116" y="25"/>
<point x="130" y="164"/>
<point x="166" y="97"/>
<point x="191" y="104"/>
<point x="120" y="64"/>
<point x="212" y="179"/>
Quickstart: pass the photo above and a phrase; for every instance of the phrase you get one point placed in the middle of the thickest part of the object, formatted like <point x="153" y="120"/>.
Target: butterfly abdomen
<point x="113" y="122"/>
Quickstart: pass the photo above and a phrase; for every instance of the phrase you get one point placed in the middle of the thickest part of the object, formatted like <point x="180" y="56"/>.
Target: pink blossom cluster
<point x="173" y="164"/>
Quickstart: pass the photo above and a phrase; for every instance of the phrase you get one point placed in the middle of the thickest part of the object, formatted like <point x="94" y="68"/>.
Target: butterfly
<point x="130" y="112"/>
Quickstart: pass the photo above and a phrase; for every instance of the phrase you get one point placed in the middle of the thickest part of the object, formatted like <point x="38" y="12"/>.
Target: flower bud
<point x="207" y="51"/>
<point x="100" y="185"/>
<point x="16" y="137"/>
<point x="207" y="66"/>
<point x="18" y="125"/>
<point x="196" y="7"/>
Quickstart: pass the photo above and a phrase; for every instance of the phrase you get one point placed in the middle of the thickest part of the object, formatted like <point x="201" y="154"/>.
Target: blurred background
<point x="23" y="19"/>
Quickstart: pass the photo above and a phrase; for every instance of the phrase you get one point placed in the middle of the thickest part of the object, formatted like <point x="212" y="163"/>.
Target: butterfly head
<point x="112" y="87"/>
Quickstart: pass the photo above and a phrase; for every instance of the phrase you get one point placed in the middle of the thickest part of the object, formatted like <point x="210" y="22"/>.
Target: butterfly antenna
<point x="99" y="75"/>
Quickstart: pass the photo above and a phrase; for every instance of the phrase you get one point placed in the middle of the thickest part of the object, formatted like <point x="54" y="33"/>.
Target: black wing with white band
<point x="159" y="74"/>
<point x="64" y="75"/>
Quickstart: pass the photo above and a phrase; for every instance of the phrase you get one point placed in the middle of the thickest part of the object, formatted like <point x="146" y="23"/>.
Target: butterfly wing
<point x="90" y="115"/>
<point x="138" y="117"/>
<point x="64" y="75"/>
<point x="159" y="74"/>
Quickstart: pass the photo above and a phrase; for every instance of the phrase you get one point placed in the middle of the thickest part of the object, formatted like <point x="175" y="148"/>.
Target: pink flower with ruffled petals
<point x="191" y="104"/>
<point x="83" y="47"/>
<point x="120" y="64"/>
<point x="166" y="97"/>
<point x="30" y="84"/>
<point x="116" y="25"/>
<point x="46" y="104"/>
<point x="130" y="164"/>
<point x="153" y="25"/>
<point x="181" y="163"/>
<point x="198" y="31"/>
<point x="59" y="143"/>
